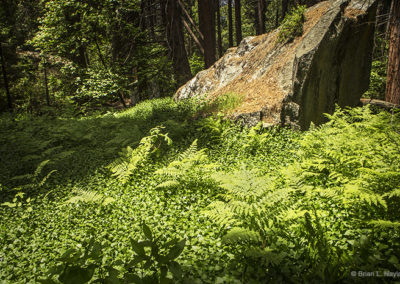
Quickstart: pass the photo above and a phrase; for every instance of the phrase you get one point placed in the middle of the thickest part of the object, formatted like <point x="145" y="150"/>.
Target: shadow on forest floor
<point x="78" y="147"/>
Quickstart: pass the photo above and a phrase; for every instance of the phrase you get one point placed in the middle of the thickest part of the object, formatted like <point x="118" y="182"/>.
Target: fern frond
<point x="40" y="168"/>
<point x="237" y="235"/>
<point x="385" y="224"/>
<point x="87" y="196"/>
<point x="394" y="193"/>
<point x="43" y="181"/>
<point x="168" y="184"/>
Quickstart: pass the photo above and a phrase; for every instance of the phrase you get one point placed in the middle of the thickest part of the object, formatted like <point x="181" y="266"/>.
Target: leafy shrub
<point x="292" y="25"/>
<point x="85" y="263"/>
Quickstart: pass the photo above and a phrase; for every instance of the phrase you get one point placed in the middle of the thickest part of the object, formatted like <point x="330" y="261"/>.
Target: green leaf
<point x="136" y="260"/>
<point x="176" y="250"/>
<point x="76" y="275"/>
<point x="46" y="281"/>
<point x="147" y="232"/>
<point x="138" y="248"/>
<point x="11" y="205"/>
<point x="67" y="255"/>
<point x="175" y="269"/>
<point x="132" y="278"/>
<point x="393" y="260"/>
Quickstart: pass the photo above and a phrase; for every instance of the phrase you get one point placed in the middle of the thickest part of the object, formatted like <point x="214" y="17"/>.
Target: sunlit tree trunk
<point x="393" y="70"/>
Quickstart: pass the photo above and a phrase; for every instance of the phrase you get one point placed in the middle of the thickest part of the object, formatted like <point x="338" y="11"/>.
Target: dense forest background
<point x="85" y="54"/>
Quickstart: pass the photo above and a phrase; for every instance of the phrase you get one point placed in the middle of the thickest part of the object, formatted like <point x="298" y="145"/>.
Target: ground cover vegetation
<point x="174" y="192"/>
<point x="155" y="194"/>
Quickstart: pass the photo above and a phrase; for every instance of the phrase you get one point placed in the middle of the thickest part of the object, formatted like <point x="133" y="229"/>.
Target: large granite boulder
<point x="295" y="83"/>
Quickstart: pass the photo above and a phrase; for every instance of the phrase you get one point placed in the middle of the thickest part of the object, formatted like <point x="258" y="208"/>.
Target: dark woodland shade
<point x="176" y="42"/>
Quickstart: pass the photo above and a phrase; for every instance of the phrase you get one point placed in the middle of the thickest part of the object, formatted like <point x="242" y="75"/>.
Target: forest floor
<point x="253" y="205"/>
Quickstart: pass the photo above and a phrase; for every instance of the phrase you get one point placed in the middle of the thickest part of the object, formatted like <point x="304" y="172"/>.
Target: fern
<point x="131" y="160"/>
<point x="192" y="166"/>
<point x="87" y="196"/>
<point x="236" y="235"/>
<point x="35" y="180"/>
<point x="385" y="224"/>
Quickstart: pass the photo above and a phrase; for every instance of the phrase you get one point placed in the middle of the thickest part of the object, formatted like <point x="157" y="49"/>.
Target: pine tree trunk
<point x="230" y="23"/>
<point x="46" y="85"/>
<point x="393" y="70"/>
<point x="207" y="28"/>
<point x="219" y="28"/>
<point x="285" y="7"/>
<point x="5" y="78"/>
<point x="260" y="17"/>
<point x="176" y="42"/>
<point x="238" y="21"/>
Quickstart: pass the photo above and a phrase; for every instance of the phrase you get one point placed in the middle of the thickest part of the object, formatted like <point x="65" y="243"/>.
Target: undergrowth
<point x="292" y="25"/>
<point x="253" y="205"/>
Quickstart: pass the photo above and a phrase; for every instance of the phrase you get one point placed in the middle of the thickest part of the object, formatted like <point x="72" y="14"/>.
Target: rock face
<point x="295" y="83"/>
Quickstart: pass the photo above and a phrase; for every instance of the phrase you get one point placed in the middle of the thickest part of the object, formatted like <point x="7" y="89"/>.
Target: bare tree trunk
<point x="393" y="70"/>
<point x="207" y="28"/>
<point x="230" y="23"/>
<point x="285" y="8"/>
<point x="217" y="3"/>
<point x="5" y="78"/>
<point x="238" y="21"/>
<point x="176" y="42"/>
<point x="260" y="17"/>
<point x="46" y="85"/>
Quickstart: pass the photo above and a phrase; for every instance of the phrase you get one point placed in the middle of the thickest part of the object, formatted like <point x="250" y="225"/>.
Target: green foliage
<point x="258" y="206"/>
<point x="87" y="196"/>
<point x="190" y="168"/>
<point x="344" y="178"/>
<point x="100" y="85"/>
<point x="292" y="25"/>
<point x="224" y="103"/>
<point x="131" y="160"/>
<point x="196" y="64"/>
<point x="35" y="179"/>
<point x="85" y="263"/>
<point x="377" y="85"/>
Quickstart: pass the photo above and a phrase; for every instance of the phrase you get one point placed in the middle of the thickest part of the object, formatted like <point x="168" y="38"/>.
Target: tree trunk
<point x="238" y="21"/>
<point x="176" y="42"/>
<point x="207" y="28"/>
<point x="393" y="70"/>
<point x="260" y="17"/>
<point x="46" y="85"/>
<point x="285" y="8"/>
<point x="230" y="23"/>
<point x="217" y="3"/>
<point x="5" y="78"/>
